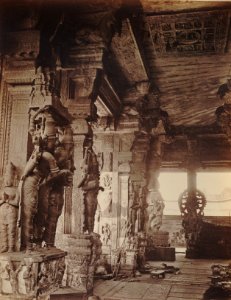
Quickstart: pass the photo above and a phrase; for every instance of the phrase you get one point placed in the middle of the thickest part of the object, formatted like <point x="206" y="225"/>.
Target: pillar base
<point x="31" y="276"/>
<point x="83" y="252"/>
<point x="129" y="265"/>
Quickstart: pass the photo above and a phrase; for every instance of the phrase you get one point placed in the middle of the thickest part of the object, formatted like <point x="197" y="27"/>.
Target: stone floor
<point x="190" y="284"/>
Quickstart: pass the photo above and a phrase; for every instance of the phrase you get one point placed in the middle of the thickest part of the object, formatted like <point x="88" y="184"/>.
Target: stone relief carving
<point x="90" y="184"/>
<point x="187" y="34"/>
<point x="29" y="278"/>
<point x="9" y="202"/>
<point x="13" y="276"/>
<point x="136" y="207"/>
<point x="106" y="234"/>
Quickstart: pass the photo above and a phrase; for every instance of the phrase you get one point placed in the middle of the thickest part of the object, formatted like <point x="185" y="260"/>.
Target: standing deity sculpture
<point x="155" y="210"/>
<point x="90" y="184"/>
<point x="40" y="176"/>
<point x="137" y="208"/>
<point x="9" y="202"/>
<point x="64" y="158"/>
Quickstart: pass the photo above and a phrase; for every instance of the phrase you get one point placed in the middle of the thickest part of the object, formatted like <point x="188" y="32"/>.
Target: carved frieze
<point x="29" y="276"/>
<point x="23" y="44"/>
<point x="189" y="33"/>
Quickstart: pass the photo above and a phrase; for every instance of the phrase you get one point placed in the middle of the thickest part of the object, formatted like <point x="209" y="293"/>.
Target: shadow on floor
<point x="214" y="293"/>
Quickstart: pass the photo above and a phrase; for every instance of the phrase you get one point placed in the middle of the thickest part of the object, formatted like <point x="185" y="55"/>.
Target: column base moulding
<point x="83" y="252"/>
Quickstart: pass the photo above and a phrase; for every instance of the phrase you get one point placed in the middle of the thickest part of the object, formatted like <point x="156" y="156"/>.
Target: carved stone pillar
<point x="155" y="202"/>
<point x="84" y="246"/>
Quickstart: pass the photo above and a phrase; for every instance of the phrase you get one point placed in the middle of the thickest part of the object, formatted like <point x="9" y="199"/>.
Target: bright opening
<point x="172" y="184"/>
<point x="217" y="189"/>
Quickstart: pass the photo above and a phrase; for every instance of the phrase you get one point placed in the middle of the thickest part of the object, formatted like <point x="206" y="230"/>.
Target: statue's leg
<point x="29" y="209"/>
<point x="12" y="228"/>
<point x="42" y="213"/>
<point x="3" y="229"/>
<point x="90" y="209"/>
<point x="56" y="201"/>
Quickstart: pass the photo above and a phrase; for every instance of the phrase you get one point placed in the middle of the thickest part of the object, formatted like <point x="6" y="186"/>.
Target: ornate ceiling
<point x="179" y="48"/>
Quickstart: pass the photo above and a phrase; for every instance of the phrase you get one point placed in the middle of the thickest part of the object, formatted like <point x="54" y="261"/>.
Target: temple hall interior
<point x="115" y="149"/>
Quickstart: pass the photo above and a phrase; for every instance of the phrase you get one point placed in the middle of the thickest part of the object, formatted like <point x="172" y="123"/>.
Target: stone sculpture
<point x="155" y="210"/>
<point x="13" y="276"/>
<point x="137" y="208"/>
<point x="90" y="185"/>
<point x="28" y="276"/>
<point x="42" y="184"/>
<point x="8" y="210"/>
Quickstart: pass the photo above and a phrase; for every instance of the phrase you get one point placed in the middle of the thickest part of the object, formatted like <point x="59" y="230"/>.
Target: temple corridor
<point x="190" y="283"/>
<point x="115" y="149"/>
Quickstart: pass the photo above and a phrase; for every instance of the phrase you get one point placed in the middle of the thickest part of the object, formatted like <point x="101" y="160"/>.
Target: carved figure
<point x="106" y="232"/>
<point x="41" y="172"/>
<point x="8" y="210"/>
<point x="13" y="276"/>
<point x="90" y="185"/>
<point x="60" y="271"/>
<point x="64" y="158"/>
<point x="137" y="207"/>
<point x="155" y="210"/>
<point x="43" y="276"/>
<point x="28" y="276"/>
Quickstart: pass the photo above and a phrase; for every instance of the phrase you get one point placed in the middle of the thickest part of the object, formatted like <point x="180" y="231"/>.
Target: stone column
<point x="84" y="247"/>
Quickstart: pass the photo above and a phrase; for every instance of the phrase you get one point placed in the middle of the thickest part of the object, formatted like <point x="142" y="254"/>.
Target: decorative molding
<point x="22" y="44"/>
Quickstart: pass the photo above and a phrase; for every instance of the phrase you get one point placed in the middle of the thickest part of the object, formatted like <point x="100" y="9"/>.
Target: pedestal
<point x="129" y="265"/>
<point x="83" y="252"/>
<point x="30" y="276"/>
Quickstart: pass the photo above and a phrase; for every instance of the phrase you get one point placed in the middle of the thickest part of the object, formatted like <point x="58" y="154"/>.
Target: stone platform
<point x="30" y="276"/>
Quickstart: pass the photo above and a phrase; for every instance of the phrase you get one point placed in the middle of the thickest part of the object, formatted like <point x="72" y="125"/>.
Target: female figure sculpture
<point x="8" y="210"/>
<point x="38" y="177"/>
<point x="90" y="185"/>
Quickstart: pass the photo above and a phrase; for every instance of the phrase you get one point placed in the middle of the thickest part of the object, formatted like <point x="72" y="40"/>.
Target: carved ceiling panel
<point x="189" y="33"/>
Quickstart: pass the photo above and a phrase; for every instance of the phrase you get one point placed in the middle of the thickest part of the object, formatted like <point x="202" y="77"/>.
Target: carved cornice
<point x="22" y="44"/>
<point x="128" y="55"/>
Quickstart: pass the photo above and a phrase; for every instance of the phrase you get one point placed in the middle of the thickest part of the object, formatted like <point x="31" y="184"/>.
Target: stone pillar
<point x="84" y="246"/>
<point x="34" y="272"/>
<point x="155" y="202"/>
